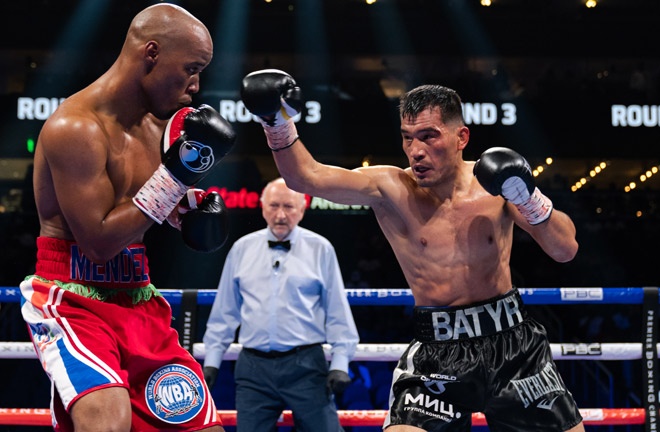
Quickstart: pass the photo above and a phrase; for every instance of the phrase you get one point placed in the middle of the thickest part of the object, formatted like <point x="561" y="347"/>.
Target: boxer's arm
<point x="75" y="150"/>
<point x="274" y="97"/>
<point x="340" y="185"/>
<point x="502" y="171"/>
<point x="556" y="235"/>
<point x="195" y="141"/>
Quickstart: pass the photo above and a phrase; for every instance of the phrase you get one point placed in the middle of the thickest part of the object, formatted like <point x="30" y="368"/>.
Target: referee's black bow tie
<point x="286" y="244"/>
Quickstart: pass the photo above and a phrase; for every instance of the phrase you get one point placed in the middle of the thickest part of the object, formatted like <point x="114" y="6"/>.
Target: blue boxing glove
<point x="195" y="141"/>
<point x="502" y="171"/>
<point x="274" y="97"/>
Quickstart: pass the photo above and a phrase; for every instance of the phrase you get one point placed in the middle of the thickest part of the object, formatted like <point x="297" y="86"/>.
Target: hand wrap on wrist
<point x="160" y="195"/>
<point x="536" y="207"/>
<point x="281" y="136"/>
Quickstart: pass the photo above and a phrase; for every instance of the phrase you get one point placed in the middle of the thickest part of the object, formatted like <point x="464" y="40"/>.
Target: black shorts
<point x="487" y="357"/>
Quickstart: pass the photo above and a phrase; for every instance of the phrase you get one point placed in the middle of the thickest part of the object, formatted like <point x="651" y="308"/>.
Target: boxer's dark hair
<point x="412" y="103"/>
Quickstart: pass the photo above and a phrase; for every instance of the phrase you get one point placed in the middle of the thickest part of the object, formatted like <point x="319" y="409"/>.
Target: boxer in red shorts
<point x="90" y="338"/>
<point x="113" y="159"/>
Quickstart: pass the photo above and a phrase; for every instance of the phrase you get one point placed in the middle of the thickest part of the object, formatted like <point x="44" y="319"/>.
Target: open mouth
<point x="420" y="170"/>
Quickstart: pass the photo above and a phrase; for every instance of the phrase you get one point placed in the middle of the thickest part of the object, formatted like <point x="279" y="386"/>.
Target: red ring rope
<point x="592" y="416"/>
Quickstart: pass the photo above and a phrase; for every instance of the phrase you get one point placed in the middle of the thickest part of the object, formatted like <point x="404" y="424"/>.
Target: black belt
<point x="465" y="322"/>
<point x="278" y="354"/>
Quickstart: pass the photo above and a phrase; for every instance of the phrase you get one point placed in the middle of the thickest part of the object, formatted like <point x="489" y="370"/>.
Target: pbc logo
<point x="582" y="349"/>
<point x="174" y="394"/>
<point x="581" y="294"/>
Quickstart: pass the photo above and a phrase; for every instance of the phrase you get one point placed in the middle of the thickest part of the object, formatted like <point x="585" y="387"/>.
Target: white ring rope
<point x="392" y="352"/>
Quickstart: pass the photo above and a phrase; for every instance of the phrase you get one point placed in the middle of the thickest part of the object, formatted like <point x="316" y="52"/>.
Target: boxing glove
<point x="210" y="374"/>
<point x="502" y="171"/>
<point x="275" y="99"/>
<point x="195" y="141"/>
<point x="205" y="228"/>
<point x="338" y="381"/>
<point x="190" y="201"/>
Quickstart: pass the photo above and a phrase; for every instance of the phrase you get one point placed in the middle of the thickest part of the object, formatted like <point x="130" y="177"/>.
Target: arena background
<point x="546" y="78"/>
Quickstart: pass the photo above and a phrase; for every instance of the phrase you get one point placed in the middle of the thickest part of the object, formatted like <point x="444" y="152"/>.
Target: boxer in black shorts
<point x="487" y="357"/>
<point x="450" y="223"/>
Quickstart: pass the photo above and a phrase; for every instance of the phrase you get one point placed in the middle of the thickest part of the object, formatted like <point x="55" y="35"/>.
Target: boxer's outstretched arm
<point x="275" y="98"/>
<point x="305" y="174"/>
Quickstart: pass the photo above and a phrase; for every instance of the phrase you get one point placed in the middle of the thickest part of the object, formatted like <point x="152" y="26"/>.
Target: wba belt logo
<point x="536" y="389"/>
<point x="174" y="394"/>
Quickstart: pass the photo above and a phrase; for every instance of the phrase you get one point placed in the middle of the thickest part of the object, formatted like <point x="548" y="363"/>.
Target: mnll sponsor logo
<point x="437" y="406"/>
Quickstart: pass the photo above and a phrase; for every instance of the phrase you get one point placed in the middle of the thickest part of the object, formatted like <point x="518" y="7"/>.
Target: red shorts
<point x="86" y="344"/>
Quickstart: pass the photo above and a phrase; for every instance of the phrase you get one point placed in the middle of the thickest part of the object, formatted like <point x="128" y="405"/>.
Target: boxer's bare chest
<point x="461" y="231"/>
<point x="133" y="156"/>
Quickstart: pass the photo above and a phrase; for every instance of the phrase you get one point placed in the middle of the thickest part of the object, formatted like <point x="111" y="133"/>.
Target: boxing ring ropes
<point x="646" y="350"/>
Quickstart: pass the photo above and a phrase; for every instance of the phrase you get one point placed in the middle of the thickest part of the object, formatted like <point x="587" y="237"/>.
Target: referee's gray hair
<point x="281" y="180"/>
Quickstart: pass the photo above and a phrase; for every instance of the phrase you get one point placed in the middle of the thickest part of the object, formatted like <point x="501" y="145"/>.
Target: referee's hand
<point x="338" y="381"/>
<point x="210" y="374"/>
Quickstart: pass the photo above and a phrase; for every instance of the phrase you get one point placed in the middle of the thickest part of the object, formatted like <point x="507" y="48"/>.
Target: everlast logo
<point x="538" y="386"/>
<point x="477" y="320"/>
<point x="129" y="266"/>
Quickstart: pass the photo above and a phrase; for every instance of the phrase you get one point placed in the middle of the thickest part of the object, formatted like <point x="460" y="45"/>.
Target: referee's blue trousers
<point x="267" y="383"/>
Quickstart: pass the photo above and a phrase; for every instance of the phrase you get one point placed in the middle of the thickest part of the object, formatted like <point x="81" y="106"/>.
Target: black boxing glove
<point x="205" y="228"/>
<point x="274" y="97"/>
<point x="189" y="201"/>
<point x="210" y="374"/>
<point x="502" y="171"/>
<point x="195" y="140"/>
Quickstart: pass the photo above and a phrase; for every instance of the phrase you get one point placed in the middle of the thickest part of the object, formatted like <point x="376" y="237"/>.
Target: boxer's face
<point x="174" y="71"/>
<point x="433" y="147"/>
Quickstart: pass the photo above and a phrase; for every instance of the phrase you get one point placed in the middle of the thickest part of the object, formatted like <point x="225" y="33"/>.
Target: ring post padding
<point x="650" y="358"/>
<point x="188" y="319"/>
